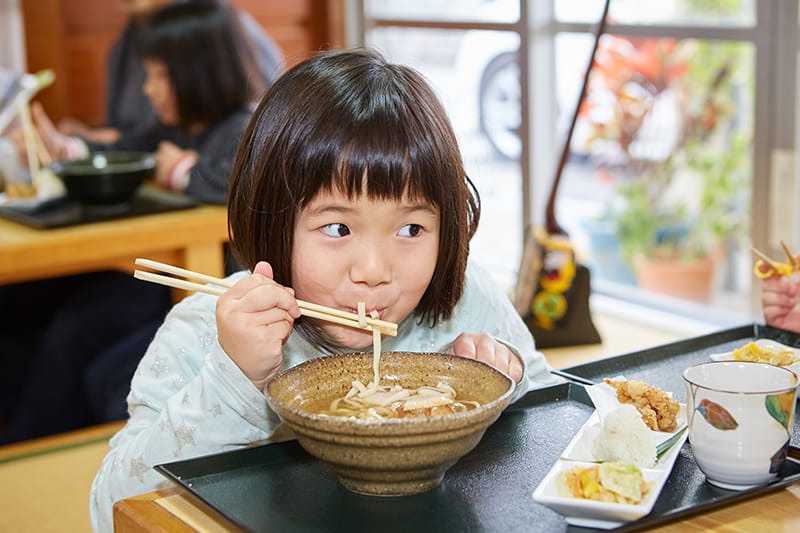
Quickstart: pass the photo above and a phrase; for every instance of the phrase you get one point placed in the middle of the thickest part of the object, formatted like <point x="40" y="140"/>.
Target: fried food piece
<point x="658" y="410"/>
<point x="765" y="354"/>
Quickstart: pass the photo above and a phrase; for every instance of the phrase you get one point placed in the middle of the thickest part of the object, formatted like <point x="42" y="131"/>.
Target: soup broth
<point x="377" y="402"/>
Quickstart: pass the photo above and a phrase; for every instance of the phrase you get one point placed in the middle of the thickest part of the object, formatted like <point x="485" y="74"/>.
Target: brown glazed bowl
<point x="394" y="457"/>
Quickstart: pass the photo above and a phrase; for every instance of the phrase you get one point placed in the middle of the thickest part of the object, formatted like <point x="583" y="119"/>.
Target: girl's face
<point x="382" y="253"/>
<point x="158" y="88"/>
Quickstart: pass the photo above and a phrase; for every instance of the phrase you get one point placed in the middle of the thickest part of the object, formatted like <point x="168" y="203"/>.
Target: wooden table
<point x="178" y="512"/>
<point x="191" y="238"/>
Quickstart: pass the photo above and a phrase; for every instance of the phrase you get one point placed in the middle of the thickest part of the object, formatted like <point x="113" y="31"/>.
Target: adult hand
<point x="484" y="347"/>
<point x="254" y="319"/>
<point x="779" y="302"/>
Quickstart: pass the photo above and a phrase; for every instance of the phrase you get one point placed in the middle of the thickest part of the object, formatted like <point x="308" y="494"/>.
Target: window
<point x="664" y="153"/>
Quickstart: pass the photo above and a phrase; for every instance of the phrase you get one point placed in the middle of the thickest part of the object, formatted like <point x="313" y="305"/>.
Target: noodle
<point x="377" y="402"/>
<point x="376" y="352"/>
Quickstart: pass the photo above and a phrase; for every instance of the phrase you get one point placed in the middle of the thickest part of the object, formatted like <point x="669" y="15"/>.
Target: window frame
<point x="774" y="37"/>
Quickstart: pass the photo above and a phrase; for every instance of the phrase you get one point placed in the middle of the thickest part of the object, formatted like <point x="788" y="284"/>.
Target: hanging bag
<point x="552" y="292"/>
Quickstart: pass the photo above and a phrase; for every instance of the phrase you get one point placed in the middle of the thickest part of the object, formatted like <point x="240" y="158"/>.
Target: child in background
<point x="348" y="187"/>
<point x="127" y="108"/>
<point x="199" y="81"/>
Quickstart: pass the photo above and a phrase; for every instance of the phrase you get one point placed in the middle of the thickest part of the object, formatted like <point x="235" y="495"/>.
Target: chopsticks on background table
<point x="34" y="146"/>
<point x="218" y="286"/>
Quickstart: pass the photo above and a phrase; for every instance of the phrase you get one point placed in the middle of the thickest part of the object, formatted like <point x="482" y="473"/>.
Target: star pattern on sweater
<point x="138" y="468"/>
<point x="184" y="435"/>
<point x="207" y="340"/>
<point x="177" y="381"/>
<point x="159" y="366"/>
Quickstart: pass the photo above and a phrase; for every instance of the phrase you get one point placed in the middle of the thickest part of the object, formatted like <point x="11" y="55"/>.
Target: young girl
<point x="199" y="81"/>
<point x="127" y="107"/>
<point x="348" y="187"/>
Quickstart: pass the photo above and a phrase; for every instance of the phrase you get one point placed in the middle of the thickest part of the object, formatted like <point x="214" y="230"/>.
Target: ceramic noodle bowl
<point x="392" y="457"/>
<point x="740" y="417"/>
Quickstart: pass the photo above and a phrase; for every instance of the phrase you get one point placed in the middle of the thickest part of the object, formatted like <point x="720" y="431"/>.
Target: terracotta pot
<point x="681" y="278"/>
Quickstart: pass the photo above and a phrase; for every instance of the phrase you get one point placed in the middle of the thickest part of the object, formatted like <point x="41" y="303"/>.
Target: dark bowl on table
<point x="105" y="178"/>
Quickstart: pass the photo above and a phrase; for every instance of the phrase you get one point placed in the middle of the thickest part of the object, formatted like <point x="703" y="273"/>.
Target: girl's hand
<point x="254" y="319"/>
<point x="484" y="347"/>
<point x="779" y="302"/>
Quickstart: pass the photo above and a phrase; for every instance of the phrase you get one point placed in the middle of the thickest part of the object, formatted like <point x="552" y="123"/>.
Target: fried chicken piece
<point x="658" y="410"/>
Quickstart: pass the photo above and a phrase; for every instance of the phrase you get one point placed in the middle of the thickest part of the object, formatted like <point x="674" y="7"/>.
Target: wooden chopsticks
<point x="218" y="286"/>
<point x="761" y="255"/>
<point x="790" y="257"/>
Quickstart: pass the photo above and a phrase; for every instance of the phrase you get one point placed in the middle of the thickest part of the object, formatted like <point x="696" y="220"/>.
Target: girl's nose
<point x="371" y="266"/>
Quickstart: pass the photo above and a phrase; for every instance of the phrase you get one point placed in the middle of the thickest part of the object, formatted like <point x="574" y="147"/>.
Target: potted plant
<point x="674" y="222"/>
<point x="676" y="188"/>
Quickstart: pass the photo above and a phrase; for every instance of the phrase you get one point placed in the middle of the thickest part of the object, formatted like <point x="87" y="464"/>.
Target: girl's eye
<point x="410" y="230"/>
<point x="336" y="230"/>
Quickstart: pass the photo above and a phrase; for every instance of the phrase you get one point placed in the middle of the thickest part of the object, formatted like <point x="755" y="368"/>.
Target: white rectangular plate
<point x="603" y="515"/>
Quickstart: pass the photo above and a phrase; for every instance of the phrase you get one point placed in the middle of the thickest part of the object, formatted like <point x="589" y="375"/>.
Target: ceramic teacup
<point x="740" y="417"/>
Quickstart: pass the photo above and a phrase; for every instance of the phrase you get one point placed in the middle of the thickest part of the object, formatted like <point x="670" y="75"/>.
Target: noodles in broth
<point x="377" y="402"/>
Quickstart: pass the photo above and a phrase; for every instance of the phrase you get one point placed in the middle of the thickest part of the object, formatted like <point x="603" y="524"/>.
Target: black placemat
<point x="62" y="212"/>
<point x="280" y="487"/>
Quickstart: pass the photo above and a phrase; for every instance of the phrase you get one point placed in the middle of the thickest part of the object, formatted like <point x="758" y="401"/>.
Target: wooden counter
<point x="190" y="238"/>
<point x="170" y="510"/>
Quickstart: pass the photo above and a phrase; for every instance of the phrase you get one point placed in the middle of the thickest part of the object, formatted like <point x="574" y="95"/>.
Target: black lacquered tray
<point x="62" y="212"/>
<point x="280" y="487"/>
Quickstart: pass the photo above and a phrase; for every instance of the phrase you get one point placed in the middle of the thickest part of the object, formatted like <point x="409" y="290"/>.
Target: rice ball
<point x="626" y="438"/>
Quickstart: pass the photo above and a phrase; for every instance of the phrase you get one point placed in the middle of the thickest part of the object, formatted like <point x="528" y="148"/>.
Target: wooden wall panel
<point x="74" y="37"/>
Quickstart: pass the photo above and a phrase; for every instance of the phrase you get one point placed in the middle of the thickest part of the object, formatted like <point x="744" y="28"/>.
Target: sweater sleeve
<point x="485" y="308"/>
<point x="187" y="399"/>
<point x="210" y="175"/>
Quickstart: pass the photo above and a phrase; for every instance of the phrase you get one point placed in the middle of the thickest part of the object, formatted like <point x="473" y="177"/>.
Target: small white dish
<point x="590" y="513"/>
<point x="763" y="343"/>
<point x="604" y="515"/>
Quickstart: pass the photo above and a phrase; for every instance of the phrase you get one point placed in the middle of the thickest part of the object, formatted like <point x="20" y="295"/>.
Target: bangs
<point x="382" y="175"/>
<point x="384" y="162"/>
